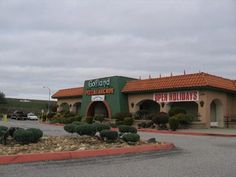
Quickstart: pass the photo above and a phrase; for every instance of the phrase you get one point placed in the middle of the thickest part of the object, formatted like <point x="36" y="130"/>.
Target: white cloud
<point x="62" y="43"/>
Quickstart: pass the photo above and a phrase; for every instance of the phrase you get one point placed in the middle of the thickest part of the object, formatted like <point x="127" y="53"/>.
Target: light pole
<point x="49" y="96"/>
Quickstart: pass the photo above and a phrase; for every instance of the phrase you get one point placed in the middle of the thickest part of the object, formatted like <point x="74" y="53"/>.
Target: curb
<point x="185" y="133"/>
<point x="53" y="124"/>
<point x="23" y="158"/>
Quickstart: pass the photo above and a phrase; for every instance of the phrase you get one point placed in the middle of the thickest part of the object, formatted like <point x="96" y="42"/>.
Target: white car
<point x="32" y="116"/>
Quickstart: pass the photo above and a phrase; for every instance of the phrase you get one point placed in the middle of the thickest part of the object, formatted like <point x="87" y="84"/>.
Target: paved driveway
<point x="195" y="157"/>
<point x="47" y="129"/>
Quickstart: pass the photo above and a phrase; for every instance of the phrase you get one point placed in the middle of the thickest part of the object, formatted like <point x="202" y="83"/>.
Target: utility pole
<point x="49" y="96"/>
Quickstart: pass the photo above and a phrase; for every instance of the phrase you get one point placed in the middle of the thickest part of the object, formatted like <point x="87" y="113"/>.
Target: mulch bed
<point x="62" y="143"/>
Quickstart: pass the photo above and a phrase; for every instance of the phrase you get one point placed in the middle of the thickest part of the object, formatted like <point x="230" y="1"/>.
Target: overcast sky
<point x="61" y="43"/>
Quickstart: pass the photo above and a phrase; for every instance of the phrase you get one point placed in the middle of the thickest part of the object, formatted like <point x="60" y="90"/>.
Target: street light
<point x="49" y="96"/>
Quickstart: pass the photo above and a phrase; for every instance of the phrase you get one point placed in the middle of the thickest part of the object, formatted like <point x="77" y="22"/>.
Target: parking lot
<point x="195" y="156"/>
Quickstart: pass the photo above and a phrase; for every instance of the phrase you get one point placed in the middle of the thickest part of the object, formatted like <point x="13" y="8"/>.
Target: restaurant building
<point x="210" y="99"/>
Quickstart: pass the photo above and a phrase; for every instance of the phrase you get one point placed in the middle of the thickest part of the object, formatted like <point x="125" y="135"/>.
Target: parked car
<point x="32" y="116"/>
<point x="19" y="115"/>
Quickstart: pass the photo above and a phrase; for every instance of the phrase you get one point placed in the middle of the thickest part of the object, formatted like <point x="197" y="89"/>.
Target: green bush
<point x="70" y="128"/>
<point x="121" y="115"/>
<point x="3" y="129"/>
<point x="31" y="135"/>
<point x="86" y="129"/>
<point x="109" y="135"/>
<point x="176" y="110"/>
<point x="36" y="134"/>
<point x="174" y="123"/>
<point x="131" y="137"/>
<point x="161" y="118"/>
<point x="78" y="123"/>
<point x="119" y="122"/>
<point x="127" y="129"/>
<point x="128" y="121"/>
<point x="184" y="119"/>
<point x="66" y="120"/>
<point x="99" y="127"/>
<point x="143" y="114"/>
<point x="89" y="119"/>
<point x="69" y="114"/>
<point x="99" y="118"/>
<point x="51" y="115"/>
<point x="23" y="136"/>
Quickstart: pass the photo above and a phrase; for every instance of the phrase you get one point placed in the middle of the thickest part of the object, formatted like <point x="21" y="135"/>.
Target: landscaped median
<point x="18" y="145"/>
<point x="65" y="155"/>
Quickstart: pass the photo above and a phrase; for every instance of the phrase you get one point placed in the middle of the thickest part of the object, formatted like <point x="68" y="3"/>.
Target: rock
<point x="152" y="140"/>
<point x="131" y="143"/>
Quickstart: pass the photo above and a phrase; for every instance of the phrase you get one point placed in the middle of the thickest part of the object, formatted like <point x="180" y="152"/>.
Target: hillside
<point x="26" y="105"/>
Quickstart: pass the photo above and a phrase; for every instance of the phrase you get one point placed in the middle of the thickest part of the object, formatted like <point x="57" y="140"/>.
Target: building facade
<point x="210" y="99"/>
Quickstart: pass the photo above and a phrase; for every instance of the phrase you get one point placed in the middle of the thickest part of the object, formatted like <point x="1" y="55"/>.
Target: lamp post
<point x="49" y="96"/>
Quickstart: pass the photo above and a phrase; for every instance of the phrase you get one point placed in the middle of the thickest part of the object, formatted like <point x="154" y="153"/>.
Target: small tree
<point x="2" y="98"/>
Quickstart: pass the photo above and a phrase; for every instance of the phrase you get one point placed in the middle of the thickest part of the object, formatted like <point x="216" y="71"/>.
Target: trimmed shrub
<point x="142" y="125"/>
<point x="131" y="137"/>
<point x="143" y="114"/>
<point x="160" y="118"/>
<point x="23" y="136"/>
<point x="121" y="115"/>
<point x="66" y="120"/>
<point x="51" y="115"/>
<point x="70" y="128"/>
<point x="184" y="119"/>
<point x="127" y="129"/>
<point x="176" y="110"/>
<point x="89" y="119"/>
<point x="36" y="134"/>
<point x="99" y="118"/>
<point x="174" y="123"/>
<point x="128" y="121"/>
<point x="119" y="122"/>
<point x="78" y="123"/>
<point x="109" y="135"/>
<point x="3" y="129"/>
<point x="69" y="114"/>
<point x="99" y="127"/>
<point x="86" y="129"/>
<point x="11" y="130"/>
<point x="31" y="135"/>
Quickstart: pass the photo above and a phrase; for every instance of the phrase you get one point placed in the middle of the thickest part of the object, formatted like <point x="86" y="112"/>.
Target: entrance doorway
<point x="98" y="108"/>
<point x="216" y="113"/>
<point x="190" y="107"/>
<point x="64" y="107"/>
<point x="77" y="108"/>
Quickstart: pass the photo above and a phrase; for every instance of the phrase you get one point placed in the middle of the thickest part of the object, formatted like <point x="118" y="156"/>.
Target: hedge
<point x="127" y="129"/>
<point x="109" y="135"/>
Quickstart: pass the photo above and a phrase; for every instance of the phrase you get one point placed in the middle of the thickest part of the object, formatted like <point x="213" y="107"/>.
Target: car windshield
<point x="31" y="114"/>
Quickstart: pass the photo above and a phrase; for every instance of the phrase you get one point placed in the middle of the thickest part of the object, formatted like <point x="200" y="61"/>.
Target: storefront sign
<point x="99" y="83"/>
<point x="100" y="91"/>
<point x="98" y="98"/>
<point x="176" y="96"/>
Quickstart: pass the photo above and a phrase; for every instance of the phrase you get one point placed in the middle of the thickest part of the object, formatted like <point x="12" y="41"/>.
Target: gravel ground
<point x="195" y="157"/>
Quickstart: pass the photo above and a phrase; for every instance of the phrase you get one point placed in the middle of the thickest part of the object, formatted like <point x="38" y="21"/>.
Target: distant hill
<point x="26" y="105"/>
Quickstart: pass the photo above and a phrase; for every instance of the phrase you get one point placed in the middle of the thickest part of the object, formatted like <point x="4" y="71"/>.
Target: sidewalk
<point x="221" y="132"/>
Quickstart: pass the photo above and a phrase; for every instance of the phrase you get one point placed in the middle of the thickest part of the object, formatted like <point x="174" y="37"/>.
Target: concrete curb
<point x="23" y="158"/>
<point x="54" y="124"/>
<point x="185" y="133"/>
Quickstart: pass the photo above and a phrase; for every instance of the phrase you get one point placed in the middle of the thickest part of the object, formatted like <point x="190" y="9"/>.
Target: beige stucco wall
<point x="227" y="103"/>
<point x="70" y="101"/>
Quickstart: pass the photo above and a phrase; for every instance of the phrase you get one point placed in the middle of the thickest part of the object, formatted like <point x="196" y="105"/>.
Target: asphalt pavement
<point x="195" y="156"/>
